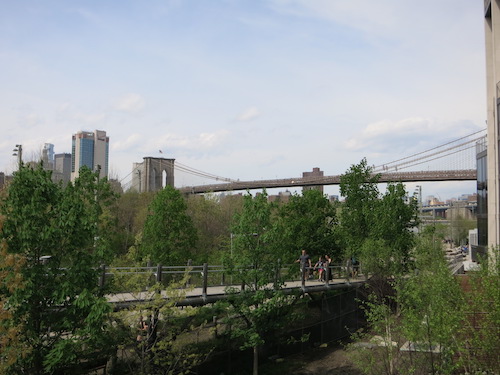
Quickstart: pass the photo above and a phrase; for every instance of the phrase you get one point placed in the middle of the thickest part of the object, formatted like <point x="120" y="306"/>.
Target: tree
<point x="375" y="228"/>
<point x="261" y="308"/>
<point x="59" y="313"/>
<point x="129" y="214"/>
<point x="159" y="331"/>
<point x="11" y="346"/>
<point x="169" y="235"/>
<point x="425" y="316"/>
<point x="357" y="215"/>
<point x="212" y="224"/>
<point x="481" y="331"/>
<point x="386" y="252"/>
<point x="307" y="221"/>
<point x="459" y="228"/>
<point x="431" y="307"/>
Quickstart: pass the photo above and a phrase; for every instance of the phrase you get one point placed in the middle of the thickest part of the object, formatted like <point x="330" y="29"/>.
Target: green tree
<point x="459" y="228"/>
<point x="307" y="221"/>
<point x="129" y="214"/>
<point x="60" y="313"/>
<point x="169" y="235"/>
<point x="376" y="229"/>
<point x="481" y="331"/>
<point x="431" y="306"/>
<point x="212" y="223"/>
<point x="157" y="335"/>
<point x="387" y="250"/>
<point x="358" y="212"/>
<point x="262" y="308"/>
<point x="425" y="316"/>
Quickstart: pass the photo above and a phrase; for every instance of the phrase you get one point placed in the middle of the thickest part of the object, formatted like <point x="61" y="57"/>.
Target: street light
<point x="18" y="151"/>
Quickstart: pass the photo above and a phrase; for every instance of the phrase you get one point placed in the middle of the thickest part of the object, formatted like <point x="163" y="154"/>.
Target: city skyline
<point x="260" y="90"/>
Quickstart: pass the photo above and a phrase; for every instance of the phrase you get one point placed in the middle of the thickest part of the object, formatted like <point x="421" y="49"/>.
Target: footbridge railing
<point x="201" y="284"/>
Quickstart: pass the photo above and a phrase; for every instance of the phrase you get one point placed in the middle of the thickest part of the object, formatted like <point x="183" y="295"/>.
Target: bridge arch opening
<point x="164" y="177"/>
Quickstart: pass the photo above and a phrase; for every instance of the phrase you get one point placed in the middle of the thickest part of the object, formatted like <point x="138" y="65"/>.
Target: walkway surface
<point x="194" y="296"/>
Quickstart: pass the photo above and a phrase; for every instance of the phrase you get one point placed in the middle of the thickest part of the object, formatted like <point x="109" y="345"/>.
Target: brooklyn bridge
<point x="452" y="161"/>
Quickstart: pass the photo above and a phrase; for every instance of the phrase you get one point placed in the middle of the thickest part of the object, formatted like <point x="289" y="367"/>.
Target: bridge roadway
<point x="417" y="176"/>
<point x="198" y="296"/>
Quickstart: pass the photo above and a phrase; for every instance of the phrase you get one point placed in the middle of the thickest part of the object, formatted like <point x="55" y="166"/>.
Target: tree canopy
<point x="57" y="308"/>
<point x="169" y="235"/>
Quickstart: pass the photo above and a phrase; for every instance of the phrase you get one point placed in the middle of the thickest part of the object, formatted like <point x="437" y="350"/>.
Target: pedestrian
<point x="142" y="327"/>
<point x="355" y="267"/>
<point x="320" y="267"/>
<point x="329" y="272"/>
<point x="305" y="264"/>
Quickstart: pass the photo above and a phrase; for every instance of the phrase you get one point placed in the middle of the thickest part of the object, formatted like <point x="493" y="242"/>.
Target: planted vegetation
<point x="55" y="318"/>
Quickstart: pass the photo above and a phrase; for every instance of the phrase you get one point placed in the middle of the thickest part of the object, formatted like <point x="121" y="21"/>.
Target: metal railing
<point x="126" y="279"/>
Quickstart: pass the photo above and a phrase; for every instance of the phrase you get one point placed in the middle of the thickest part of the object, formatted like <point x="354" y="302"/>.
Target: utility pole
<point x="18" y="151"/>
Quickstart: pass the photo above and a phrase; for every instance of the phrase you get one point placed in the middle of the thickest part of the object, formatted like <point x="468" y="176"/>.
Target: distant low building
<point x="315" y="174"/>
<point x="281" y="197"/>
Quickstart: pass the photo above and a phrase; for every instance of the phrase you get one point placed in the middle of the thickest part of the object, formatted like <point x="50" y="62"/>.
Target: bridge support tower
<point x="153" y="174"/>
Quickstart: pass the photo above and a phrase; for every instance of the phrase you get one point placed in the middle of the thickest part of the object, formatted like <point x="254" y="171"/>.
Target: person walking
<point x="320" y="267"/>
<point x="305" y="263"/>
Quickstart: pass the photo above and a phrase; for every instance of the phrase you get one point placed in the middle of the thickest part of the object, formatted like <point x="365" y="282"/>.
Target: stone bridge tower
<point x="153" y="174"/>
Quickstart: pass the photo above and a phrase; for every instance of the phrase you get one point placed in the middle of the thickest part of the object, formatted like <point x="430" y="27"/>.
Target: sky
<point x="244" y="89"/>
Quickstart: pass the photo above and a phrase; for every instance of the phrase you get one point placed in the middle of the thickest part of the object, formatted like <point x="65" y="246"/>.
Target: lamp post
<point x="18" y="151"/>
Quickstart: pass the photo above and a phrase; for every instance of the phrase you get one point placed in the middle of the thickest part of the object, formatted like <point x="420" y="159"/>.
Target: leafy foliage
<point x="212" y="218"/>
<point x="431" y="304"/>
<point x="375" y="228"/>
<point x="169" y="235"/>
<point x="261" y="308"/>
<point x="306" y="222"/>
<point x="481" y="333"/>
<point x="425" y="316"/>
<point x="60" y="313"/>
<point x="358" y="213"/>
<point x="160" y="332"/>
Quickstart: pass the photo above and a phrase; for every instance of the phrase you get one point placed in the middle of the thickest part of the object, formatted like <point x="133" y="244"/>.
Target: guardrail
<point x="122" y="279"/>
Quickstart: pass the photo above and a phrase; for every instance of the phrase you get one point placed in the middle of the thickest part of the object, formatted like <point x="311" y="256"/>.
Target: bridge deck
<point x="196" y="297"/>
<point x="414" y="176"/>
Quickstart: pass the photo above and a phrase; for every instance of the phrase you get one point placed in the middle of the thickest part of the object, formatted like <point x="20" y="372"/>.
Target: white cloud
<point x="131" y="142"/>
<point x="178" y="143"/>
<point x="400" y="136"/>
<point x="69" y="114"/>
<point x="30" y="120"/>
<point x="130" y="103"/>
<point x="248" y="115"/>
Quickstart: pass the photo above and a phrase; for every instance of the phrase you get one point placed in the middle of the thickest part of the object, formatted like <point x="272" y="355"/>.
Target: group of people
<point x="320" y="267"/>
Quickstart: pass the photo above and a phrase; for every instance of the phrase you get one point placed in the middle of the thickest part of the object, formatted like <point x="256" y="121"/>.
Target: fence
<point x="122" y="279"/>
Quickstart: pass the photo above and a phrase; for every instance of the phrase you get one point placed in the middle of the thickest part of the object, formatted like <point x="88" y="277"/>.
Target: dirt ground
<point x="325" y="361"/>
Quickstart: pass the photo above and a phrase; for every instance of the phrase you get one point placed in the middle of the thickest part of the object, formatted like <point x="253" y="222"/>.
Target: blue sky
<point x="245" y="89"/>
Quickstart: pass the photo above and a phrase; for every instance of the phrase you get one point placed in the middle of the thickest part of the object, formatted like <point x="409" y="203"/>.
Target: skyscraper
<point x="90" y="149"/>
<point x="48" y="156"/>
<point x="62" y="167"/>
<point x="491" y="190"/>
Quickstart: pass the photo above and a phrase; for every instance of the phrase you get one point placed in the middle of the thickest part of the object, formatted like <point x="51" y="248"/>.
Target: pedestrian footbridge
<point x="200" y="285"/>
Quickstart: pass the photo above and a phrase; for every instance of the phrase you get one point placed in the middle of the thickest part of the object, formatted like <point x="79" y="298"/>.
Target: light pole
<point x="18" y="151"/>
